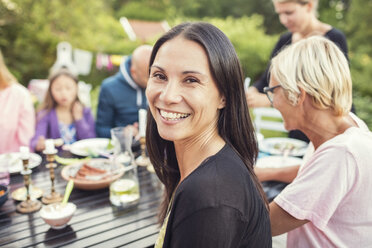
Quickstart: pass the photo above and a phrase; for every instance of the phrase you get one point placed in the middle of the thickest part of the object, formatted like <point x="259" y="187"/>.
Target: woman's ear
<point x="222" y="103"/>
<point x="301" y="97"/>
<point x="310" y="6"/>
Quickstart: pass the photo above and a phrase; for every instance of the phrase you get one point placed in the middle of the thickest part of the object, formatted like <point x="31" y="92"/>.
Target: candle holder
<point x="143" y="160"/>
<point x="27" y="206"/>
<point x="53" y="196"/>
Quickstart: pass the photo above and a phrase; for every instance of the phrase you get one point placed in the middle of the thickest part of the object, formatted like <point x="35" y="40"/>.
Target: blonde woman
<point x="300" y="19"/>
<point x="328" y="203"/>
<point x="17" y="117"/>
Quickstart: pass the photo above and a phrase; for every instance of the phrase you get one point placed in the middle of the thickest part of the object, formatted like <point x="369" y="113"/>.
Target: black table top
<point x="96" y="223"/>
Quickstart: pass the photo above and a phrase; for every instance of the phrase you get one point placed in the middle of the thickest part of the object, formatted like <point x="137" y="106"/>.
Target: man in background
<point x="123" y="94"/>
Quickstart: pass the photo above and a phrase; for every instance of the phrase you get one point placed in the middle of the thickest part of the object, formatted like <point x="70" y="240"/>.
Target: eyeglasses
<point x="269" y="91"/>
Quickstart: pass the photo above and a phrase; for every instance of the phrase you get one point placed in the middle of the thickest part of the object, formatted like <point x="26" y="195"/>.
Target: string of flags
<point x="80" y="61"/>
<point x="108" y="61"/>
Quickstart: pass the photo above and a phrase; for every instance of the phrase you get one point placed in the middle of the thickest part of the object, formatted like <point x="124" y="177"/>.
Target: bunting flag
<point x="107" y="61"/>
<point x="83" y="61"/>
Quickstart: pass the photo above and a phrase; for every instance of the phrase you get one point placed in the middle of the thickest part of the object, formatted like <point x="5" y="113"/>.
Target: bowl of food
<point x="92" y="174"/>
<point x="57" y="215"/>
<point x="4" y="192"/>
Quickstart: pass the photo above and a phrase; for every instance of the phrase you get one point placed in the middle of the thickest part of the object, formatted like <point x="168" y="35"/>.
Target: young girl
<point x="62" y="115"/>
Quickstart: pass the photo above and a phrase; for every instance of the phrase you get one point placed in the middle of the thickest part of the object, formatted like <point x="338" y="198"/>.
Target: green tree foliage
<point x="359" y="17"/>
<point x="29" y="40"/>
<point x="333" y="12"/>
<point x="251" y="43"/>
<point x="360" y="35"/>
<point x="232" y="8"/>
<point x="151" y="10"/>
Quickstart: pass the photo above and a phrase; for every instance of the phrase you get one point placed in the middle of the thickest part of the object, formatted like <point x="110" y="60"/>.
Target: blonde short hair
<point x="319" y="67"/>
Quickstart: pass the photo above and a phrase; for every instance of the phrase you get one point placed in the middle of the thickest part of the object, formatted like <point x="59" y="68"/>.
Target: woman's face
<point x="294" y="16"/>
<point x="182" y="93"/>
<point x="64" y="90"/>
<point x="285" y="107"/>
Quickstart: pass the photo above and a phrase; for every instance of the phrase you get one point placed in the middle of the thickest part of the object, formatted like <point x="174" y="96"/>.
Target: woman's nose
<point x="171" y="93"/>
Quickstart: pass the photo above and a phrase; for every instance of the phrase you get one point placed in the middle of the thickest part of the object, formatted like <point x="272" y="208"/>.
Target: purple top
<point x="47" y="126"/>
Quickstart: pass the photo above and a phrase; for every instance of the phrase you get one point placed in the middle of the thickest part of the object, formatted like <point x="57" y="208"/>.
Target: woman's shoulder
<point x="335" y="34"/>
<point x="225" y="165"/>
<point x="20" y="90"/>
<point x="222" y="180"/>
<point x="285" y="39"/>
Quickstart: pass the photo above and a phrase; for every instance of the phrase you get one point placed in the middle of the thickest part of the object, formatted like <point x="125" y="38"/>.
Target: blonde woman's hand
<point x="256" y="99"/>
<point x="77" y="111"/>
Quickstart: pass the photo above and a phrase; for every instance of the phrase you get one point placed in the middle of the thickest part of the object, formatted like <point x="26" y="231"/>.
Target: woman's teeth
<point x="171" y="116"/>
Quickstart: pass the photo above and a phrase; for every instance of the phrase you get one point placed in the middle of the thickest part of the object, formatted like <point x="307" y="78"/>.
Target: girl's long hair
<point x="234" y="122"/>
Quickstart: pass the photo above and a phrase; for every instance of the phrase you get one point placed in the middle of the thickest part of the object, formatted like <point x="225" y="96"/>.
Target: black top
<point x="334" y="35"/>
<point x="217" y="205"/>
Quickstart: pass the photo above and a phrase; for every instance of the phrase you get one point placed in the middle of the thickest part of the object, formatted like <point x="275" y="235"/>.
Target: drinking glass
<point x="124" y="192"/>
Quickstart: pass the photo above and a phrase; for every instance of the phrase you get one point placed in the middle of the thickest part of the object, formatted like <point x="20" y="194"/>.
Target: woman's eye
<point x="159" y="76"/>
<point x="191" y="80"/>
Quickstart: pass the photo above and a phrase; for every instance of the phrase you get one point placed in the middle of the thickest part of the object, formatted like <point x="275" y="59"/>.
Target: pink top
<point x="17" y="118"/>
<point x="333" y="191"/>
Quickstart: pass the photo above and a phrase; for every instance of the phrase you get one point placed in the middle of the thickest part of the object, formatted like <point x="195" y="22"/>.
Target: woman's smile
<point x="172" y="116"/>
<point x="182" y="93"/>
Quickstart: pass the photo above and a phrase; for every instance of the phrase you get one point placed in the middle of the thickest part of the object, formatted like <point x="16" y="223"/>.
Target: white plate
<point x="277" y="162"/>
<point x="86" y="147"/>
<point x="15" y="163"/>
<point x="276" y="146"/>
<point x="259" y="136"/>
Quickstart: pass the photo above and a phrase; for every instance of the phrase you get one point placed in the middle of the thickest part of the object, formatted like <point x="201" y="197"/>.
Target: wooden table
<point x="96" y="223"/>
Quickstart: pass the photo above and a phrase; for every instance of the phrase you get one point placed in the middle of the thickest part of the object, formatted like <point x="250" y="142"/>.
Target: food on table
<point x="57" y="215"/>
<point x="92" y="170"/>
<point x="285" y="146"/>
<point x="87" y="170"/>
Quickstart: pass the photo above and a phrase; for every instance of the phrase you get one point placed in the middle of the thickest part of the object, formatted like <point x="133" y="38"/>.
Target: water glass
<point x="124" y="192"/>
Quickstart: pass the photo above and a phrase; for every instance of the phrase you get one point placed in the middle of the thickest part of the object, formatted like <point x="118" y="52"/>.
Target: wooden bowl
<point x="86" y="184"/>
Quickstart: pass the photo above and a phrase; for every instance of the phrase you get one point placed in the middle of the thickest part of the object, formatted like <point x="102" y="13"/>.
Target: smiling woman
<point x="202" y="144"/>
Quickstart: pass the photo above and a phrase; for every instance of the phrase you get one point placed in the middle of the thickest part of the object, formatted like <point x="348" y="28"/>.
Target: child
<point x="62" y="115"/>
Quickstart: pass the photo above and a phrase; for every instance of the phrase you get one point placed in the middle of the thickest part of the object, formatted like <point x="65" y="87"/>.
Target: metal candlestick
<point x="53" y="196"/>
<point x="143" y="160"/>
<point x="27" y="206"/>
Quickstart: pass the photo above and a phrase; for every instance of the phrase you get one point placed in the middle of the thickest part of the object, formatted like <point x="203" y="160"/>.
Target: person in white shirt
<point x="328" y="203"/>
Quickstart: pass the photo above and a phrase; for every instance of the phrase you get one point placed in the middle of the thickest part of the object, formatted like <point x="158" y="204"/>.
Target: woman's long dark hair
<point x="234" y="123"/>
